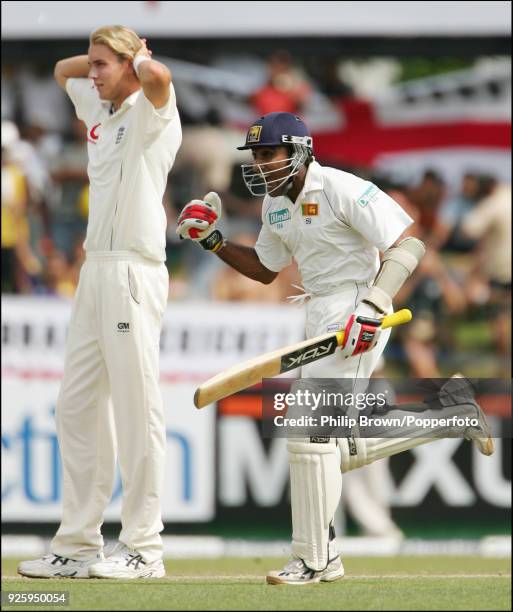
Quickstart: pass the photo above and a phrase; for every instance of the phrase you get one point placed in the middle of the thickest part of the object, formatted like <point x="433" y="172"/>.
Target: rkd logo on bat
<point x="302" y="357"/>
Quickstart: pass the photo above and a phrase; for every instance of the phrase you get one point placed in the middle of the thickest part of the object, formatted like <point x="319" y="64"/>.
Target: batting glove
<point x="198" y="219"/>
<point x="362" y="331"/>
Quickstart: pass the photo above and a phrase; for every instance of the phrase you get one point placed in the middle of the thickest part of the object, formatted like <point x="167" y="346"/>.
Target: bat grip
<point x="396" y="318"/>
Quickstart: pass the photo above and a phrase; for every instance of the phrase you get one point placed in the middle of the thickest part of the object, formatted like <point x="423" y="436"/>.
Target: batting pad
<point x="383" y="440"/>
<point x="357" y="452"/>
<point x="315" y="485"/>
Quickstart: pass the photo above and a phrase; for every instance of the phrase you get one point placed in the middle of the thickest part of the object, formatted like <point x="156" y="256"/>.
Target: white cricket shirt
<point x="130" y="155"/>
<point x="334" y="230"/>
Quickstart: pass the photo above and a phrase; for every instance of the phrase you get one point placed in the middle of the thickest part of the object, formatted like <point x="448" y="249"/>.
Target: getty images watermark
<point x="381" y="407"/>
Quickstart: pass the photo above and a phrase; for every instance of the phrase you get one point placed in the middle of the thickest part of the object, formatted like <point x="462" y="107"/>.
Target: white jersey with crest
<point x="130" y="155"/>
<point x="334" y="230"/>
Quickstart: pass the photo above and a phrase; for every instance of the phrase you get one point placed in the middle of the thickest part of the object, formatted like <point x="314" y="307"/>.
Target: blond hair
<point x="120" y="40"/>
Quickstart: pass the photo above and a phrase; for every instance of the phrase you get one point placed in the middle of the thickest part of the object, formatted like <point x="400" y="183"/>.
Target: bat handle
<point x="397" y="318"/>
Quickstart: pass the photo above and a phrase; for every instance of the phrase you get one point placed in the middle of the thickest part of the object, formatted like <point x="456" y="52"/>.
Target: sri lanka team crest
<point x="309" y="210"/>
<point x="254" y="134"/>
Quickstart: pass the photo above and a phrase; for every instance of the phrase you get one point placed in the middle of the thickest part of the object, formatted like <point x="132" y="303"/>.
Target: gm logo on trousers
<point x="123" y="327"/>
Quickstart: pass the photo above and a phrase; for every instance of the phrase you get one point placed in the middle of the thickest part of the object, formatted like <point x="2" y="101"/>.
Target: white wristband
<point x="138" y="60"/>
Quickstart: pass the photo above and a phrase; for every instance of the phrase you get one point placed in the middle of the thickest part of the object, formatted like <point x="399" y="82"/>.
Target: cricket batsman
<point x="334" y="225"/>
<point x="110" y="405"/>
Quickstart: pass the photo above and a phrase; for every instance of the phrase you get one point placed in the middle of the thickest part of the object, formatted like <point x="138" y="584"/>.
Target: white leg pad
<point x="455" y="399"/>
<point x="315" y="489"/>
<point x="357" y="452"/>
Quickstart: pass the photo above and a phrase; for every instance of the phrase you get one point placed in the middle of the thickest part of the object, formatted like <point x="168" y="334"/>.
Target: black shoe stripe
<point x="136" y="560"/>
<point x="61" y="560"/>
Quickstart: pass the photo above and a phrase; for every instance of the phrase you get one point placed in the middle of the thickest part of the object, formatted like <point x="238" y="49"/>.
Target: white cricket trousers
<point x="328" y="310"/>
<point x="110" y="405"/>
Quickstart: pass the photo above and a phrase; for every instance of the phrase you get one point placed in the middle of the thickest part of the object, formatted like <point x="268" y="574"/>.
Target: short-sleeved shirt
<point x="130" y="155"/>
<point x="334" y="230"/>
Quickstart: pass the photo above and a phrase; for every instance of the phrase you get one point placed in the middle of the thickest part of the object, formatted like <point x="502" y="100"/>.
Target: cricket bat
<point x="244" y="375"/>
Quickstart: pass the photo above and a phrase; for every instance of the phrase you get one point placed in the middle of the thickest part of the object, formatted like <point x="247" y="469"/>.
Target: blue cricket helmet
<point x="277" y="129"/>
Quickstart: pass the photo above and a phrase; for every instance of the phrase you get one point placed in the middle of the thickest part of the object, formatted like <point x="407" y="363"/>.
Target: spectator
<point x="57" y="276"/>
<point x="18" y="260"/>
<point x="69" y="173"/>
<point x="42" y="102"/>
<point x="447" y="231"/>
<point x="9" y="92"/>
<point x="204" y="161"/>
<point x="490" y="224"/>
<point x="427" y="196"/>
<point x="431" y="293"/>
<point x="286" y="90"/>
<point x="330" y="81"/>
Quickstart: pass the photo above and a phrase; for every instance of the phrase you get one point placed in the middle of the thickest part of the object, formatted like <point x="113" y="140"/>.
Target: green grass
<point x="397" y="583"/>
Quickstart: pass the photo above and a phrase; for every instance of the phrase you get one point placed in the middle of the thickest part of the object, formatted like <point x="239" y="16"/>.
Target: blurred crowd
<point x="460" y="294"/>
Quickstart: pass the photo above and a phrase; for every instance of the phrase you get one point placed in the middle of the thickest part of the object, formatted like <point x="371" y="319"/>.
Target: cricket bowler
<point x="110" y="405"/>
<point x="335" y="225"/>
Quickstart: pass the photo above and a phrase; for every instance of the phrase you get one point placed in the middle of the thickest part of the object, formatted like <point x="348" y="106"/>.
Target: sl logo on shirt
<point x="309" y="210"/>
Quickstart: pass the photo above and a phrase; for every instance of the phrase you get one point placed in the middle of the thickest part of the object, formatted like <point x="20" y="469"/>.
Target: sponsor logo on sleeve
<point x="369" y="196"/>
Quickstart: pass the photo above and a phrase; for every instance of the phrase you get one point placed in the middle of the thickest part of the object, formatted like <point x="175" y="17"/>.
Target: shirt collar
<point x="127" y="102"/>
<point x="313" y="179"/>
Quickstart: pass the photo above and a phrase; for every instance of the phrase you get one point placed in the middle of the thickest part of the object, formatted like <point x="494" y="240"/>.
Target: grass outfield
<point x="397" y="583"/>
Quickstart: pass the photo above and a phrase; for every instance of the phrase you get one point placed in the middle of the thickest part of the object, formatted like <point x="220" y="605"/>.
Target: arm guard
<point x="397" y="266"/>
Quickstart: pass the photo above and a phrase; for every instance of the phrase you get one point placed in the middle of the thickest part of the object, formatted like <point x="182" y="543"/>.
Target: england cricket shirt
<point x="131" y="153"/>
<point x="334" y="230"/>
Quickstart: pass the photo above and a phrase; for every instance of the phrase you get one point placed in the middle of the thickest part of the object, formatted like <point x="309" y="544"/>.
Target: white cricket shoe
<point x="296" y="572"/>
<point x="55" y="566"/>
<point x="481" y="436"/>
<point x="124" y="564"/>
<point x="463" y="391"/>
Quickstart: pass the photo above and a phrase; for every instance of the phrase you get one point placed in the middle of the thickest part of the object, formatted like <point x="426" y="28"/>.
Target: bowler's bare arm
<point x="76" y="67"/>
<point x="154" y="78"/>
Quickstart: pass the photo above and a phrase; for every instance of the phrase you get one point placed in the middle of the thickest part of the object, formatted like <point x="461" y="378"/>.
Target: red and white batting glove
<point x="198" y="219"/>
<point x="362" y="331"/>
